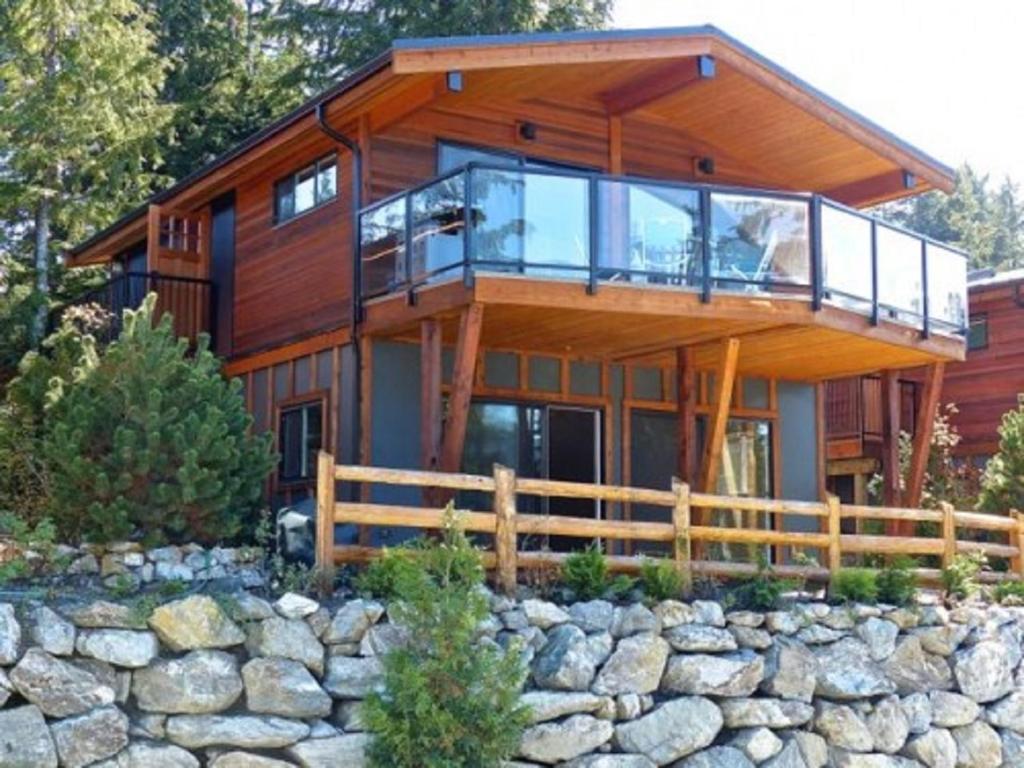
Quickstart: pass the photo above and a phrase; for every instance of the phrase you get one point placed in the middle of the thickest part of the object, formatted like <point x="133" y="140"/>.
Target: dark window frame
<point x="292" y="180"/>
<point x="982" y="319"/>
<point x="318" y="399"/>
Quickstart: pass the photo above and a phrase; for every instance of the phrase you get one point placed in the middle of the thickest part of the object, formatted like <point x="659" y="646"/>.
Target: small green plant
<point x="382" y="575"/>
<point x="897" y="584"/>
<point x="762" y="591"/>
<point x="1009" y="592"/>
<point x="854" y="585"/>
<point x="586" y="574"/>
<point x="660" y="579"/>
<point x="960" y="578"/>
<point x="448" y="701"/>
<point x="39" y="539"/>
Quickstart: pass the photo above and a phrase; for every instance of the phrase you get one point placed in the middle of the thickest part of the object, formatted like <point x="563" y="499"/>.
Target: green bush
<point x="1002" y="484"/>
<point x="148" y="441"/>
<point x="854" y="585"/>
<point x="960" y="578"/>
<point x="449" y="701"/>
<point x="897" y="583"/>
<point x="586" y="574"/>
<point x="1009" y="592"/>
<point x="660" y="579"/>
<point x="761" y="592"/>
<point x="382" y="576"/>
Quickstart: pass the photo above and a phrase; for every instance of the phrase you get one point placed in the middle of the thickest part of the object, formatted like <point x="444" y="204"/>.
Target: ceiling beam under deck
<point x="663" y="81"/>
<point x="874" y="190"/>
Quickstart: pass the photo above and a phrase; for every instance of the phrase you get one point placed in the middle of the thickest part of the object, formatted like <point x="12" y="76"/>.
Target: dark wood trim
<point x="924" y="429"/>
<point x="430" y="394"/>
<point x="725" y="378"/>
<point x="686" y="407"/>
<point x="466" y="350"/>
<point x="891" y="439"/>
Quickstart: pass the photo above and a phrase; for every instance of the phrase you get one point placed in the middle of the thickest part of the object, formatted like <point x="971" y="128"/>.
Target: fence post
<point x="505" y="546"/>
<point x="1019" y="517"/>
<point x="948" y="534"/>
<point x="835" y="530"/>
<point x="325" y="491"/>
<point x="681" y="525"/>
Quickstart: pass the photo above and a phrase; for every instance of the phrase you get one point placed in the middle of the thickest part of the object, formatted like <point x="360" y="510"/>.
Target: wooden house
<point x="605" y="257"/>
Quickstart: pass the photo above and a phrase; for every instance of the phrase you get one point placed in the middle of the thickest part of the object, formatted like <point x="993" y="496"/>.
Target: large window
<point x="306" y="189"/>
<point x="300" y="435"/>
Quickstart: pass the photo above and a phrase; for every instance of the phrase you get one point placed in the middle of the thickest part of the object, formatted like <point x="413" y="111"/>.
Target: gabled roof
<point x="430" y="56"/>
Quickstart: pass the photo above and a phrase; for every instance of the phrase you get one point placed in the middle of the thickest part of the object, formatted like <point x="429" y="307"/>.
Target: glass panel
<point x="290" y="436"/>
<point x="327" y="180"/>
<point x="382" y="247"/>
<point x="899" y="274"/>
<point x="846" y="257"/>
<point x="545" y="374"/>
<point x="649" y="233"/>
<point x="947" y="286"/>
<point x="531" y="223"/>
<point x="755" y="393"/>
<point x="305" y="190"/>
<point x="452" y="156"/>
<point x="508" y="434"/>
<point x="977" y="332"/>
<point x="438" y="226"/>
<point x="745" y="471"/>
<point x="285" y="199"/>
<point x="757" y="240"/>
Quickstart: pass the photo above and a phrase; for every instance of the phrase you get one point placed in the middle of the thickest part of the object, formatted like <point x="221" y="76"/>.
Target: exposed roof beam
<point x="875" y="189"/>
<point x="662" y="82"/>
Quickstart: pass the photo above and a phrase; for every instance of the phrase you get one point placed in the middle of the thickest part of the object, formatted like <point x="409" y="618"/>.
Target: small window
<point x="977" y="332"/>
<point x="303" y="191"/>
<point x="300" y="437"/>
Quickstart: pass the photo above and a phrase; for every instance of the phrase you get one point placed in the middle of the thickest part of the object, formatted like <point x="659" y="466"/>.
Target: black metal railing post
<point x="467" y="226"/>
<point x="817" y="259"/>
<point x="592" y="222"/>
<point x="407" y="249"/>
<point x="925" y="329"/>
<point x="705" y="245"/>
<point x="874" y="272"/>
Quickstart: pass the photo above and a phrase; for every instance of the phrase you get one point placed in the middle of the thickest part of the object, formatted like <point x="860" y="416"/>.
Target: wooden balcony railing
<point x="686" y="535"/>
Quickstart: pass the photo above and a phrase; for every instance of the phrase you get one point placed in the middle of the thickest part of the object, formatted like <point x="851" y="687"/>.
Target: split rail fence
<point x="686" y="537"/>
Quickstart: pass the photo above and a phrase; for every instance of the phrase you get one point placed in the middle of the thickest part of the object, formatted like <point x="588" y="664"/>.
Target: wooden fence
<point x="686" y="537"/>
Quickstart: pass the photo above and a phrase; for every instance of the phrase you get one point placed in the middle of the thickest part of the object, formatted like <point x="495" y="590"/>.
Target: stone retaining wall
<point x="233" y="681"/>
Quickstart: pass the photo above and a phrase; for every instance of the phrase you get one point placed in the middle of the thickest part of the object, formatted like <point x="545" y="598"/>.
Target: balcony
<point x="598" y="229"/>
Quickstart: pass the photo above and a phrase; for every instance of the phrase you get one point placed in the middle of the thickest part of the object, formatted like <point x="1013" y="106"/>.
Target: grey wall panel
<point x="798" y="441"/>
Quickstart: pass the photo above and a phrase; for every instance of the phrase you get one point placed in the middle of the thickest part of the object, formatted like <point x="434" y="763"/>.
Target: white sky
<point x="945" y="75"/>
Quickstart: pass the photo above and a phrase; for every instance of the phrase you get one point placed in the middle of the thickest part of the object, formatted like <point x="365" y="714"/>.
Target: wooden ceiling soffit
<point x="663" y="81"/>
<point x="876" y="189"/>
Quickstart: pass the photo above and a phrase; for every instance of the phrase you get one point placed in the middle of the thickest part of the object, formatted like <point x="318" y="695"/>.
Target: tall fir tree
<point x="79" y="119"/>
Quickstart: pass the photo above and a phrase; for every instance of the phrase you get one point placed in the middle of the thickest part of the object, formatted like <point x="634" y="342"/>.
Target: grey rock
<point x="811" y="748"/>
<point x="380" y="639"/>
<point x="201" y="682"/>
<point x="58" y="688"/>
<point x="353" y="678"/>
<point x="1007" y="712"/>
<point x="543" y="614"/>
<point x="348" y="750"/>
<point x="978" y="746"/>
<point x="790" y="670"/>
<point x="89" y="738"/>
<point x="983" y="671"/>
<point x="717" y="757"/>
<point x="554" y="742"/>
<point x="283" y="687"/>
<point x="245" y="731"/>
<point x="918" y="709"/>
<point x="196" y="621"/>
<point x="10" y="635"/>
<point x="247" y="607"/>
<point x="52" y="633"/>
<point x="950" y="710"/>
<point x="750" y="619"/>
<point x="592" y="616"/>
<point x="628" y="706"/>
<point x="288" y="638"/>
<point x="549" y="705"/>
<point x="765" y="713"/>
<point x="816" y="634"/>
<point x="840" y="618"/>
<point x="758" y="744"/>
<point x="942" y="639"/>
<point x="236" y="759"/>
<point x="708" y="612"/>
<point x="606" y="761"/>
<point x="149" y="726"/>
<point x="102" y="614"/>
<point x="672" y="613"/>
<point x="25" y="741"/>
<point x="143" y="754"/>
<point x="733" y="674"/>
<point x="846" y="671"/>
<point x="935" y="748"/>
<point x="700" y="638"/>
<point x="1013" y="748"/>
<point x="565" y="662"/>
<point x="674" y="730"/>
<point x="749" y="637"/>
<point x="352" y="620"/>
<point x="790" y="757"/>
<point x="632" y="619"/>
<point x="783" y="622"/>
<point x="880" y="637"/>
<point x="635" y="666"/>
<point x="295" y="606"/>
<point x="889" y="725"/>
<point x="599" y="647"/>
<point x="842" y="727"/>
<point x="120" y="647"/>
<point x="914" y="670"/>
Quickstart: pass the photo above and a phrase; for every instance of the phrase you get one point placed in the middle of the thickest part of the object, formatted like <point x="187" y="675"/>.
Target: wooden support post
<point x="615" y="145"/>
<point x="835" y="552"/>
<point x="365" y="422"/>
<point x="462" y="387"/>
<point x="681" y="542"/>
<point x="891" y="444"/>
<point x="1019" y="541"/>
<point x="924" y="429"/>
<point x="325" y="489"/>
<point x="725" y="377"/>
<point x="430" y="393"/>
<point x="506" y="547"/>
<point x="152" y="236"/>
<point x="948" y="534"/>
<point x="686" y="404"/>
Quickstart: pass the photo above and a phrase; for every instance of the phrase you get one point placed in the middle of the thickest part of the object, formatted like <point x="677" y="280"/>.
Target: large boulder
<point x="245" y="731"/>
<point x="201" y="682"/>
<point x="592" y="616"/>
<point x="914" y="670"/>
<point x="879" y="635"/>
<point x="700" y="638"/>
<point x="632" y="619"/>
<point x="677" y="728"/>
<point x="348" y="750"/>
<point x="758" y="744"/>
<point x="790" y="670"/>
<point x="717" y="757"/>
<point x="120" y="647"/>
<point x="352" y="620"/>
<point x="983" y="671"/>
<point x="149" y="754"/>
<point x="542" y="614"/>
<point x="846" y="671"/>
<point x="950" y="710"/>
<point x="287" y="638"/>
<point x="25" y="741"/>
<point x="732" y="674"/>
<point x="766" y="713"/>
<point x="889" y="725"/>
<point x="842" y="727"/>
<point x="1008" y="712"/>
<point x="283" y="687"/>
<point x="978" y="746"/>
<point x="238" y="759"/>
<point x="550" y="705"/>
<point x="52" y="633"/>
<point x="195" y="622"/>
<point x="58" y="688"/>
<point x="935" y="748"/>
<point x="353" y="678"/>
<point x="635" y="666"/>
<point x="566" y="661"/>
<point x="10" y="635"/>
<point x="554" y="742"/>
<point x="103" y="614"/>
<point x="88" y="738"/>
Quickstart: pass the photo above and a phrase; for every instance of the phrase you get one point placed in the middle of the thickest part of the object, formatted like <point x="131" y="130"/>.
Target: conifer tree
<point x="1002" y="485"/>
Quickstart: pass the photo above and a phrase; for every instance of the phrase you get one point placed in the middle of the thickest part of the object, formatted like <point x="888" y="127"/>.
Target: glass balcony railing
<point x="561" y="224"/>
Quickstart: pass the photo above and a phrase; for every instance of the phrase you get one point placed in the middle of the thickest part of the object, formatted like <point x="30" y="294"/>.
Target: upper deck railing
<point x="597" y="228"/>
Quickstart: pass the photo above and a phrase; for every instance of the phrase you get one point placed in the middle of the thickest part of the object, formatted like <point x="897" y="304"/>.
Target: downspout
<point x="357" y="189"/>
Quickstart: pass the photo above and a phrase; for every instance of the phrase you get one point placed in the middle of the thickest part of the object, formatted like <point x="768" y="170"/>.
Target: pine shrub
<point x="147" y="441"/>
<point x="586" y="574"/>
<point x="897" y="583"/>
<point x="660" y="579"/>
<point x="1002" y="484"/>
<point x="450" y="700"/>
<point x="854" y="585"/>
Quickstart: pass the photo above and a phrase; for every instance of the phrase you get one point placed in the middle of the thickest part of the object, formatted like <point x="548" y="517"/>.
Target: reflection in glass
<point x="745" y="470"/>
<point x="947" y="287"/>
<point x="757" y="241"/>
<point x="509" y="434"/>
<point x="437" y="227"/>
<point x="899" y="275"/>
<point x="382" y="247"/>
<point x="649" y="233"/>
<point x="846" y="257"/>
